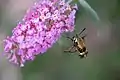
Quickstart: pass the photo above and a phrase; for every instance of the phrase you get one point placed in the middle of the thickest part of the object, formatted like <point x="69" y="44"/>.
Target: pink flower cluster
<point x="40" y="28"/>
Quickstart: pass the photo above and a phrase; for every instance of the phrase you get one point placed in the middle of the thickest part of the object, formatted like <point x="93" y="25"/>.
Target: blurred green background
<point x="102" y="41"/>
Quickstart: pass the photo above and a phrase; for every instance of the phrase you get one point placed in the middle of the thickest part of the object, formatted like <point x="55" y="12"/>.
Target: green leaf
<point x="89" y="9"/>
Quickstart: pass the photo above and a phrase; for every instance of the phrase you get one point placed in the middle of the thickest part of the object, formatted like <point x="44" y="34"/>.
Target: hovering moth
<point x="78" y="45"/>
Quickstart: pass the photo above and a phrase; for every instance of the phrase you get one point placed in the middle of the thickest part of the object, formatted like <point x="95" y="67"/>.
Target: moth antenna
<point x="68" y="37"/>
<point x="82" y="31"/>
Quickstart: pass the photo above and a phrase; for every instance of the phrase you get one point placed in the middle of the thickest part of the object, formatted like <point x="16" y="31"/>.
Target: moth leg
<point x="71" y="50"/>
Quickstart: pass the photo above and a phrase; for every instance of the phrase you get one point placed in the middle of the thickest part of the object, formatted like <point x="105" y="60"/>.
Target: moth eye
<point x="84" y="49"/>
